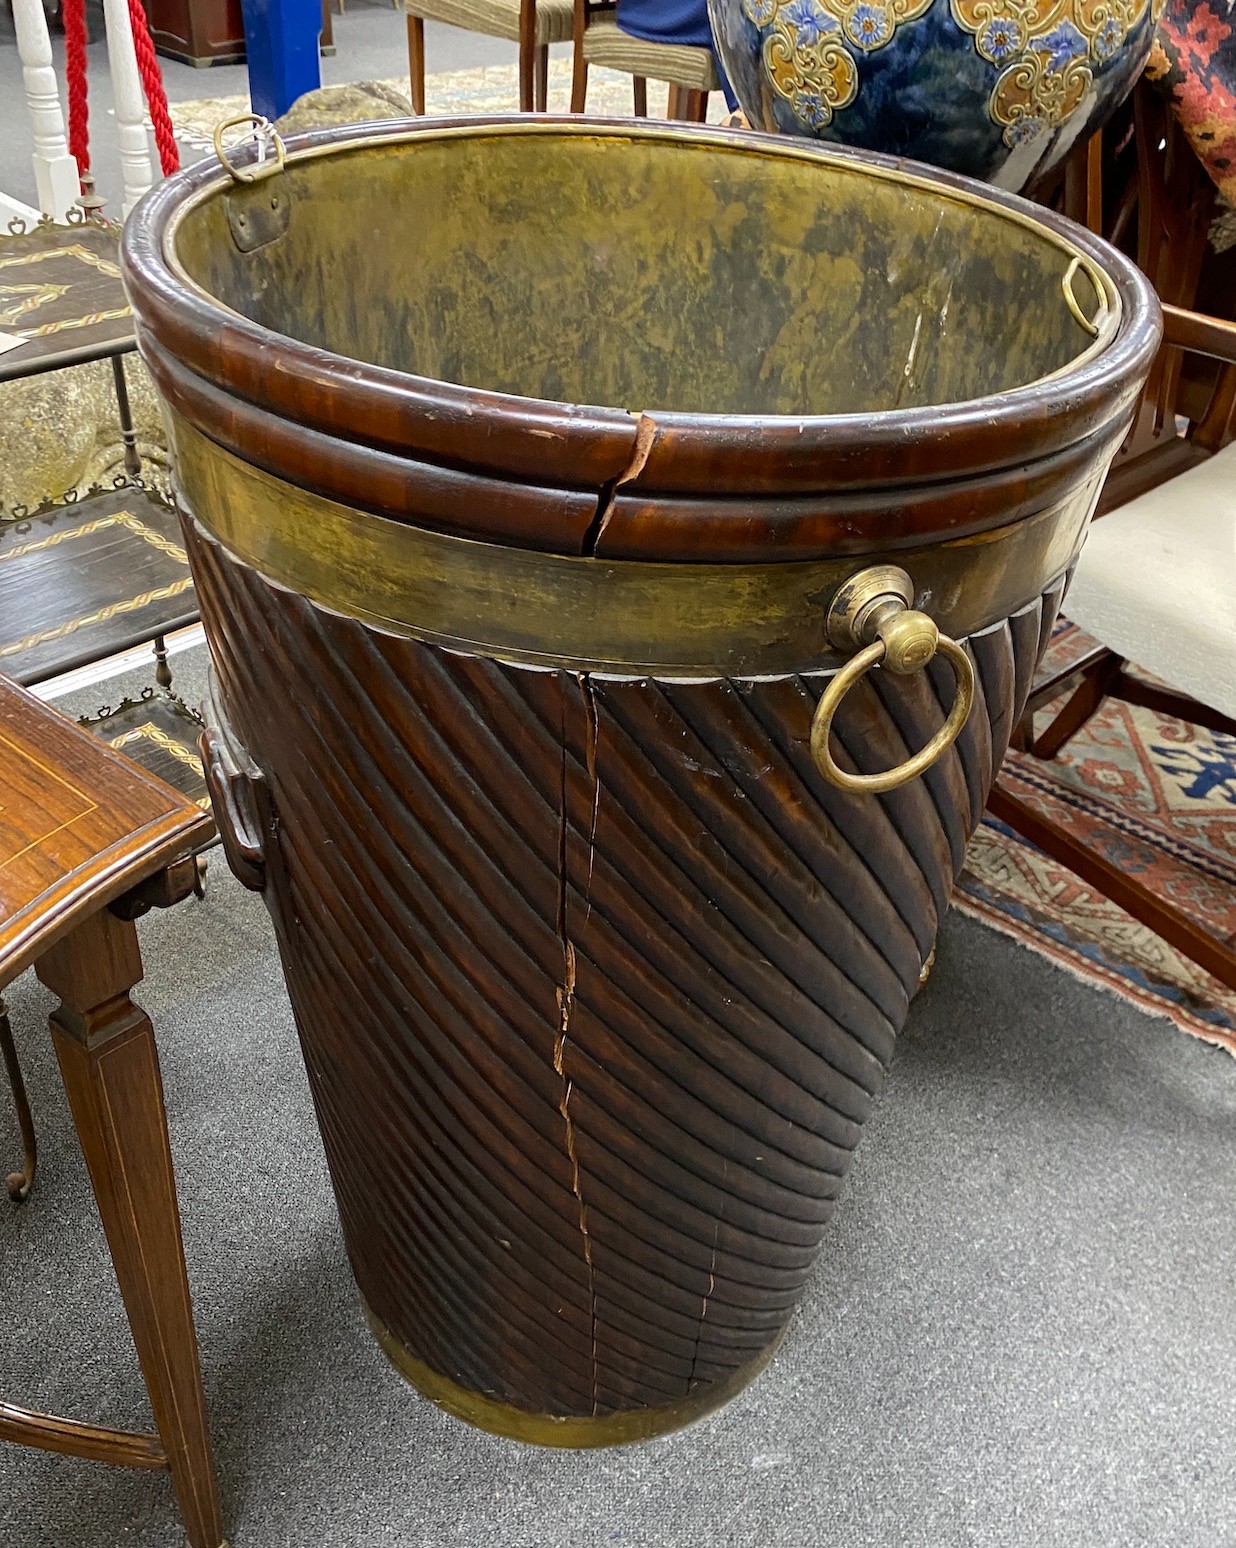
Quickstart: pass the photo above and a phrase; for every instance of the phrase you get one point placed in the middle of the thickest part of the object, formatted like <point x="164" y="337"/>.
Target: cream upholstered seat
<point x="498" y="18"/>
<point x="605" y="44"/>
<point x="690" y="72"/>
<point x="533" y="24"/>
<point x="1156" y="582"/>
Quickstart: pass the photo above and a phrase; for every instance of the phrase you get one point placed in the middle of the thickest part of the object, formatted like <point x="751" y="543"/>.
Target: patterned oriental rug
<point x="1155" y="795"/>
<point x="1158" y="798"/>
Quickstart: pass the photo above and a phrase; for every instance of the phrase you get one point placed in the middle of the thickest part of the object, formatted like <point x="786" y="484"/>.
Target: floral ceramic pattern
<point x="1045" y="51"/>
<point x="808" y="51"/>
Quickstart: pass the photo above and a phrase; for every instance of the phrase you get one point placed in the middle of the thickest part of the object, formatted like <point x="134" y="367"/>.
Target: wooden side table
<point x="88" y="841"/>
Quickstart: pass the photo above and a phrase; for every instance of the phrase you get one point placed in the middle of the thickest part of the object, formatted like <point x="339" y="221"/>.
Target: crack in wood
<point x="566" y="1000"/>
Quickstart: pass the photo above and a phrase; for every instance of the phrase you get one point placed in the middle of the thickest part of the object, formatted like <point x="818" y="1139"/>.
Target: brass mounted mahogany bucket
<point x="538" y="478"/>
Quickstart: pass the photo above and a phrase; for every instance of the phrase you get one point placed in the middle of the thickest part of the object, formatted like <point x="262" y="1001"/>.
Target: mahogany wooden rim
<point x="642" y="525"/>
<point x="582" y="449"/>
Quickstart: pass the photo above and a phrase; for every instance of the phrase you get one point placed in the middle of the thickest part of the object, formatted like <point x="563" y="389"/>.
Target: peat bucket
<point x="598" y="954"/>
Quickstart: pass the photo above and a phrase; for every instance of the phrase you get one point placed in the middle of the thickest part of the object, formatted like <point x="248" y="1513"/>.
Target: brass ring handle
<point x="1092" y="325"/>
<point x="262" y="128"/>
<point x="872" y="610"/>
<point x="921" y="761"/>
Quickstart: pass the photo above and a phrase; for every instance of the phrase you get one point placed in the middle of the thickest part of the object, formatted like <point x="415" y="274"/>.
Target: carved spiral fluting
<point x="596" y="980"/>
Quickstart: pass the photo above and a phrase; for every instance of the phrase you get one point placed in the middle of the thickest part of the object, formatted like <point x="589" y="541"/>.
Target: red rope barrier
<point x="75" y="69"/>
<point x="152" y="84"/>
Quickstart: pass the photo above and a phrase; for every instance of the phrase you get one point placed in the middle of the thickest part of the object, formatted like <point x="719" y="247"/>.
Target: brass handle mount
<point x="271" y="155"/>
<point x="872" y="615"/>
<point x="1092" y="325"/>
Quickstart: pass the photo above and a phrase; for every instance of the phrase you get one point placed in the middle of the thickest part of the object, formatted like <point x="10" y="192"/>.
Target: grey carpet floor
<point x="1020" y="1331"/>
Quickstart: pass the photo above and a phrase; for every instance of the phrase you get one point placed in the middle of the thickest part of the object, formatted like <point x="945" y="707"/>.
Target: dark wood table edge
<point x="168" y="839"/>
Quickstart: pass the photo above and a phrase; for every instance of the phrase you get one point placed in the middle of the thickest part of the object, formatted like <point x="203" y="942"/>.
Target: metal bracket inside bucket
<point x="254" y="217"/>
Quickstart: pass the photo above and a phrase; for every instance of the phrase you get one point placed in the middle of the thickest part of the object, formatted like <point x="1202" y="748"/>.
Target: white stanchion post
<point x="135" y="165"/>
<point x="55" y="171"/>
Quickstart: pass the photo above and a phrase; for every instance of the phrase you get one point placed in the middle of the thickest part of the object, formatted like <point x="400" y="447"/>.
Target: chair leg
<point x="579" y="65"/>
<point x="1124" y="890"/>
<point x="527" y="57"/>
<point x="542" y="77"/>
<point x="1166" y="701"/>
<point x="687" y="105"/>
<point x="640" y="86"/>
<point x="18" y="1183"/>
<point x="579" y="87"/>
<point x="1096" y="683"/>
<point x="416" y="61"/>
<point x="696" y="107"/>
<point x="106" y="1048"/>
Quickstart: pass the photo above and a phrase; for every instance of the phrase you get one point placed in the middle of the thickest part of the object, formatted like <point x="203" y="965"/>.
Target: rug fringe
<point x="1089" y="972"/>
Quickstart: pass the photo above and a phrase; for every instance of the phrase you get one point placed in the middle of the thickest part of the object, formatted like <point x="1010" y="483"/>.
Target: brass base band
<point x="577" y="1431"/>
<point x="619" y="617"/>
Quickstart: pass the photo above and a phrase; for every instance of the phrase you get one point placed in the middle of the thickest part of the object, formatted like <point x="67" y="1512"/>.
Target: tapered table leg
<point x="18" y="1183"/>
<point x="105" y="1045"/>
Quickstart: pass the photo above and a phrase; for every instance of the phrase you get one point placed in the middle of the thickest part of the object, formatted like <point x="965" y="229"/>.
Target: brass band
<point x="573" y="1431"/>
<point x="613" y="617"/>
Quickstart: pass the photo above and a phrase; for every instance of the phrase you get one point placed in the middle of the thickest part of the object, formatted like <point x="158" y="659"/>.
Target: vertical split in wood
<point x="566" y="1000"/>
<point x="645" y="437"/>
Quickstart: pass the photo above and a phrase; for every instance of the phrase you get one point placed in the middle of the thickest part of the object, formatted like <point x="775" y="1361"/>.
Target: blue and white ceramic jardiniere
<point x="998" y="89"/>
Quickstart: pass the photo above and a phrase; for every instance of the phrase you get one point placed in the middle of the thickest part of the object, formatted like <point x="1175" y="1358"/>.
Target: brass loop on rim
<point x="919" y="762"/>
<point x="264" y="134"/>
<point x="1094" y="324"/>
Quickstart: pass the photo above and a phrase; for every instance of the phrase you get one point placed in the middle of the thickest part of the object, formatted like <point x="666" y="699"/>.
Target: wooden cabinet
<point x="198" y="32"/>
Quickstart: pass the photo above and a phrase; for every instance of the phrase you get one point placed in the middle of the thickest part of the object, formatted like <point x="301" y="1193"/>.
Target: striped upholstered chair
<point x="533" y="24"/>
<point x="691" y="73"/>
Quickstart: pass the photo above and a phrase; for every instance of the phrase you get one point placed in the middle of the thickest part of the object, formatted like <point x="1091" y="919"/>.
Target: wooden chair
<point x="1156" y="586"/>
<point x="533" y="24"/>
<point x="1174" y="203"/>
<point x="690" y="72"/>
<point x="1156" y="582"/>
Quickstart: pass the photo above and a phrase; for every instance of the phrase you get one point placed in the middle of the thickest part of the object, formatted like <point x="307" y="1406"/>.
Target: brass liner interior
<point x="649" y="273"/>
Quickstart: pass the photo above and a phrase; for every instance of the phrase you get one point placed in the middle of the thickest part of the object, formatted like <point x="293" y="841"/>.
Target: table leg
<point x="18" y="1183"/>
<point x="106" y="1048"/>
<point x="132" y="460"/>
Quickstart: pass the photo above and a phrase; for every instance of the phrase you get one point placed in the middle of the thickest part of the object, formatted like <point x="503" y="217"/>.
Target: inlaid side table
<point x="88" y="842"/>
